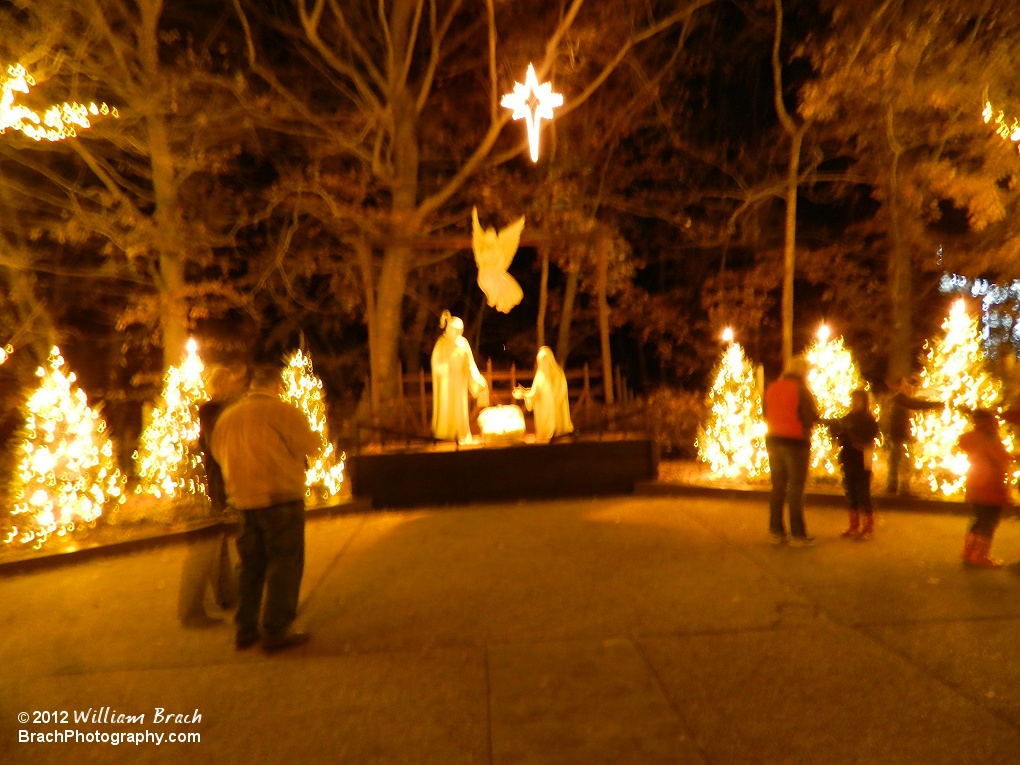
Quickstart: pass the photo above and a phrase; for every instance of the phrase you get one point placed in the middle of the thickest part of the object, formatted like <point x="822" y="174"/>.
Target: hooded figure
<point x="454" y="377"/>
<point x="547" y="397"/>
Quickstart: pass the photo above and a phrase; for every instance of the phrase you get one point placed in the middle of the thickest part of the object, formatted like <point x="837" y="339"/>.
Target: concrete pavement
<point x="621" y="630"/>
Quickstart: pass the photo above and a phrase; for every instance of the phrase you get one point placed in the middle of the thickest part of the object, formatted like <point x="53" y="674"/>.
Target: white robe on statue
<point x="455" y="377"/>
<point x="547" y="398"/>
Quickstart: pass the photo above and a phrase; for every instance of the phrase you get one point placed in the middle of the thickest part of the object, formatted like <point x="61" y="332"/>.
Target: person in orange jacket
<point x="790" y="413"/>
<point x="987" y="486"/>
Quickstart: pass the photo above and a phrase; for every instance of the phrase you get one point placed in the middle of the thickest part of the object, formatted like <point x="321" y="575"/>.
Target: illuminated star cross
<point x="533" y="103"/>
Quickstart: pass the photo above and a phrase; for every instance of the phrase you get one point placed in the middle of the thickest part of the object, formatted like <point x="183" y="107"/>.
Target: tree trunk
<point x="899" y="273"/>
<point x="173" y="310"/>
<point x="796" y="133"/>
<point x="543" y="299"/>
<point x="364" y="253"/>
<point x="389" y="302"/>
<point x="413" y="339"/>
<point x="566" y="316"/>
<point x="404" y="156"/>
<point x="602" y="287"/>
<point x="790" y="242"/>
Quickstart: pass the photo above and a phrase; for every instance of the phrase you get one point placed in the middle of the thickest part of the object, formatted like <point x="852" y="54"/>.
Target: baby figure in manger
<point x="547" y="397"/>
<point x="455" y="377"/>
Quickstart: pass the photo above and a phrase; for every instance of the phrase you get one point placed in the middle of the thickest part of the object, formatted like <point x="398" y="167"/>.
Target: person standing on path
<point x="987" y="486"/>
<point x="897" y="431"/>
<point x="262" y="444"/>
<point x="790" y="413"/>
<point x="207" y="561"/>
<point x="855" y="432"/>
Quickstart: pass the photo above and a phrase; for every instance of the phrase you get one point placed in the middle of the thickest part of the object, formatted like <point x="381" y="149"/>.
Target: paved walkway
<point x="637" y="630"/>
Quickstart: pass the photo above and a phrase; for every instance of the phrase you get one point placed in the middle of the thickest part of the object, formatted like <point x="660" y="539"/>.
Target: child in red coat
<point x="987" y="487"/>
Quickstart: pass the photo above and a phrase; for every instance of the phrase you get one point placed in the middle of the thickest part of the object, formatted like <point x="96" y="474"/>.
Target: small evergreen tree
<point x="732" y="440"/>
<point x="954" y="372"/>
<point x="169" y="459"/>
<point x="67" y="474"/>
<point x="303" y="388"/>
<point x="833" y="377"/>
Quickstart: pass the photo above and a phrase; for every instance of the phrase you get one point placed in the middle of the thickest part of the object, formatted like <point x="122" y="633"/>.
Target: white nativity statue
<point x="547" y="397"/>
<point x="454" y="377"/>
<point x="493" y="254"/>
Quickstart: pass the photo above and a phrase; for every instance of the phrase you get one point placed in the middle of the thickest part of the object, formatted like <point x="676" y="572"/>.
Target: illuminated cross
<point x="533" y="103"/>
<point x="55" y="124"/>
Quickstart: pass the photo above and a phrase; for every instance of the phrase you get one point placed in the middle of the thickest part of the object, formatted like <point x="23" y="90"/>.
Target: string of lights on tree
<point x="832" y="378"/>
<point x="168" y="461"/>
<point x="55" y="123"/>
<point x="955" y="373"/>
<point x="303" y="388"/>
<point x="67" y="474"/>
<point x="732" y="439"/>
<point x="1004" y="128"/>
<point x="1000" y="310"/>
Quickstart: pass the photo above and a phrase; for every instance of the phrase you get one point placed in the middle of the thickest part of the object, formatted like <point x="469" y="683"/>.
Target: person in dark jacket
<point x="897" y="429"/>
<point x="207" y="562"/>
<point x="987" y="486"/>
<point x="790" y="413"/>
<point x="855" y="433"/>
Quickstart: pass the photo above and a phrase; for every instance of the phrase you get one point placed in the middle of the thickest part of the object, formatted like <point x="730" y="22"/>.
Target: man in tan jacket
<point x="262" y="445"/>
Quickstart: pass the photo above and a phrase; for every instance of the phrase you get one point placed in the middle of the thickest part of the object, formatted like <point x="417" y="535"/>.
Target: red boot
<point x="968" y="547"/>
<point x="868" y="529"/>
<point x="855" y="523"/>
<point x="979" y="555"/>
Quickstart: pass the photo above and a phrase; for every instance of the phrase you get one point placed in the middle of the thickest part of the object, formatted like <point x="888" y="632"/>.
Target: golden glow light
<point x="5" y="352"/>
<point x="169" y="459"/>
<point x="66" y="474"/>
<point x="732" y="439"/>
<point x="532" y="103"/>
<point x="303" y="388"/>
<point x="833" y="377"/>
<point x="501" y="423"/>
<point x="727" y="335"/>
<point x="56" y="123"/>
<point x="954" y="373"/>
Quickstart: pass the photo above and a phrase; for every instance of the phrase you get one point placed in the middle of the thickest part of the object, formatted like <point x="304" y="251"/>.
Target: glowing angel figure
<point x="493" y="254"/>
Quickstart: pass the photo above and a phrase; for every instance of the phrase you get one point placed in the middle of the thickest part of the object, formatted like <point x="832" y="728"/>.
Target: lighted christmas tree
<point x="954" y="372"/>
<point x="833" y="377"/>
<point x="732" y="440"/>
<point x="66" y="473"/>
<point x="169" y="459"/>
<point x="303" y="388"/>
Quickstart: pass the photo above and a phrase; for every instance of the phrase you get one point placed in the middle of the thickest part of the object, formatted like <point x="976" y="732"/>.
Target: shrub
<point x="675" y="416"/>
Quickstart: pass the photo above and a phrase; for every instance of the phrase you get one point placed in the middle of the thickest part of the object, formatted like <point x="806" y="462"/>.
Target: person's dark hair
<point x="266" y="376"/>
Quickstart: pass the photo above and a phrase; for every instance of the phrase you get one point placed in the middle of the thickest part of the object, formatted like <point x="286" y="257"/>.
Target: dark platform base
<point x="445" y="475"/>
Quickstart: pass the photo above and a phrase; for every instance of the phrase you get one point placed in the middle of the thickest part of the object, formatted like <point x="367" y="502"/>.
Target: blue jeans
<point x="271" y="545"/>
<point x="788" y="467"/>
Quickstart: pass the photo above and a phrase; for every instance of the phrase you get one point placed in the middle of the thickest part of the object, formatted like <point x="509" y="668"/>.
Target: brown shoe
<point x="274" y="643"/>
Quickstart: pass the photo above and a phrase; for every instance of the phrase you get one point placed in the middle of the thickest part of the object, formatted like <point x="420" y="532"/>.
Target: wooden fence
<point x="585" y="389"/>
